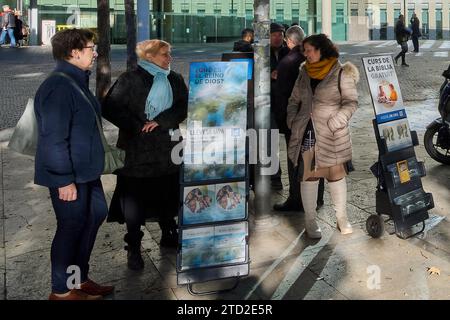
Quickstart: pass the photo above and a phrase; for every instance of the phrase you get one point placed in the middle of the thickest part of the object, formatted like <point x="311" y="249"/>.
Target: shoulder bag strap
<point x="77" y="87"/>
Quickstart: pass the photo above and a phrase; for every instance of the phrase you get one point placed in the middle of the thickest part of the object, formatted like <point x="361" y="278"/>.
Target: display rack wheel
<point x="375" y="226"/>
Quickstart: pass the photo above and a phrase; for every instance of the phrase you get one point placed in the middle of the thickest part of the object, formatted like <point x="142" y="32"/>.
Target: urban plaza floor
<point x="284" y="263"/>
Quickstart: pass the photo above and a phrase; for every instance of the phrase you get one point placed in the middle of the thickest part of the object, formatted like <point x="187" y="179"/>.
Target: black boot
<point x="134" y="257"/>
<point x="169" y="237"/>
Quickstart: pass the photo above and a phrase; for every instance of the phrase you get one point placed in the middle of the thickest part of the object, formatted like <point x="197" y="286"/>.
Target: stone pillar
<point x="143" y="21"/>
<point x="326" y="18"/>
<point x="33" y="22"/>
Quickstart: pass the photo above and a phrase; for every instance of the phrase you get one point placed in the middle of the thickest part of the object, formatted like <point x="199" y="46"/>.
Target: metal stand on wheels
<point x="399" y="193"/>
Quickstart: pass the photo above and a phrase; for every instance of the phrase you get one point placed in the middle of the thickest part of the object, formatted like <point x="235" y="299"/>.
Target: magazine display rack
<point x="213" y="216"/>
<point x="399" y="193"/>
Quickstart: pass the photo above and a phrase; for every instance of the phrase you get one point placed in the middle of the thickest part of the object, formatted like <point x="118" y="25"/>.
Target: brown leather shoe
<point x="92" y="288"/>
<point x="75" y="295"/>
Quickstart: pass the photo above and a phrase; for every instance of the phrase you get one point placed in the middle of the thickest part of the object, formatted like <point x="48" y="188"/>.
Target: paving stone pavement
<point x="285" y="264"/>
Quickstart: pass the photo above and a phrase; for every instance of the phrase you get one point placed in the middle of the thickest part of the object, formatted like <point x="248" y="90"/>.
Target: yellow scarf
<point x="320" y="69"/>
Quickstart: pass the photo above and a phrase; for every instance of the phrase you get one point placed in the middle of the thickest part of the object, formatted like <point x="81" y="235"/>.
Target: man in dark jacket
<point x="402" y="34"/>
<point x="8" y="24"/>
<point x="277" y="51"/>
<point x="245" y="44"/>
<point x="287" y="73"/>
<point x="415" y="26"/>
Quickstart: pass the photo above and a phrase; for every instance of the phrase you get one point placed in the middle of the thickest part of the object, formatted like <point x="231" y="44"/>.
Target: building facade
<point x="200" y="21"/>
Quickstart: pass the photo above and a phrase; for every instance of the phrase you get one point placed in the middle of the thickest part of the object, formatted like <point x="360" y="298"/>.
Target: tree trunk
<point x="104" y="49"/>
<point x="130" y="20"/>
<point x="262" y="112"/>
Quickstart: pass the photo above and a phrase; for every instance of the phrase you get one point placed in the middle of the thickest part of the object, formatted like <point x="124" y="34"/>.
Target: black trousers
<point x="415" y="41"/>
<point x="402" y="53"/>
<point x="148" y="198"/>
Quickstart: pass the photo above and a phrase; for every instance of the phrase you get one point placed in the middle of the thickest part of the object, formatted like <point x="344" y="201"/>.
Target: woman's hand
<point x="68" y="193"/>
<point x="150" y="126"/>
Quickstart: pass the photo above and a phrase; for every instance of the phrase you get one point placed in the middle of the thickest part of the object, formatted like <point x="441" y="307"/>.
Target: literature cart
<point x="399" y="193"/>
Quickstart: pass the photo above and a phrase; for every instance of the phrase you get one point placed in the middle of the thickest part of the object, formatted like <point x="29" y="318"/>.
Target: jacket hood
<point x="350" y="70"/>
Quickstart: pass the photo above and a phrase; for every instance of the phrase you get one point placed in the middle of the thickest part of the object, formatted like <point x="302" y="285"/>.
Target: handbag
<point x="24" y="137"/>
<point x="114" y="157"/>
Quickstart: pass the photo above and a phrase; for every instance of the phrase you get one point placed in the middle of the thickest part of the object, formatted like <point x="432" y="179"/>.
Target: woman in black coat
<point x="147" y="105"/>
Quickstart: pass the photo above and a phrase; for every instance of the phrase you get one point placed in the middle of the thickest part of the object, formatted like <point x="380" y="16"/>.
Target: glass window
<point x="295" y="15"/>
<point x="279" y="15"/>
<point x="425" y="22"/>
<point x="397" y="12"/>
<point x="339" y="28"/>
<point x="438" y="23"/>
<point x="354" y="12"/>
<point x="383" y="24"/>
<point x="249" y="14"/>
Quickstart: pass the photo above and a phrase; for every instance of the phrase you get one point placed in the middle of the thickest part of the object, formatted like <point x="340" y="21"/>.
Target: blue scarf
<point x="160" y="96"/>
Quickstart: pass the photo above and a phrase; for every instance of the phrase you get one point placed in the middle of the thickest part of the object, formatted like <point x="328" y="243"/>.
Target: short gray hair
<point x="295" y="34"/>
<point x="6" y="6"/>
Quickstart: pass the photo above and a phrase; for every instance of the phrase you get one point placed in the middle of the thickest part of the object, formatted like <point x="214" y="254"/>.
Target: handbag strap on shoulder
<point x="77" y="87"/>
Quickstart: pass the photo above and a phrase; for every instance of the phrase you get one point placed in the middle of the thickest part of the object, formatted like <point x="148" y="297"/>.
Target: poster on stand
<point x="384" y="88"/>
<point x="396" y="134"/>
<point x="214" y="203"/>
<point x="216" y="122"/>
<point x="213" y="245"/>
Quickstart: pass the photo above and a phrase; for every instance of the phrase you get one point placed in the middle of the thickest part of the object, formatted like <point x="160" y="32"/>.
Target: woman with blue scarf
<point x="147" y="105"/>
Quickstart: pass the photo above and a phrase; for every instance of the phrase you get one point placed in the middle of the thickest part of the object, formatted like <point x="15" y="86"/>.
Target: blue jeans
<point x="77" y="225"/>
<point x="11" y="36"/>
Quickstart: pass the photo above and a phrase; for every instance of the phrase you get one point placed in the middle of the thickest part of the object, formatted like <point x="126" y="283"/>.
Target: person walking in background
<point x="147" y="105"/>
<point x="415" y="27"/>
<point x="7" y="26"/>
<point x="323" y="100"/>
<point x="69" y="161"/>
<point x="245" y="44"/>
<point x="402" y="35"/>
<point x="287" y="73"/>
<point x="277" y="52"/>
<point x="18" y="29"/>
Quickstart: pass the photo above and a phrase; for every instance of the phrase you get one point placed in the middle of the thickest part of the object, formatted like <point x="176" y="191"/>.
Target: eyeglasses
<point x="94" y="47"/>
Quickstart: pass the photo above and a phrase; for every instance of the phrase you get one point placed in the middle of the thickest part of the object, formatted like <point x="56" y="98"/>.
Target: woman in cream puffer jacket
<point x="323" y="100"/>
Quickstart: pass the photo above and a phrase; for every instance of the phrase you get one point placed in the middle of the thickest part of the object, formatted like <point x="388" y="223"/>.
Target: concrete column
<point x="390" y="21"/>
<point x="143" y="21"/>
<point x="326" y="18"/>
<point x="432" y="19"/>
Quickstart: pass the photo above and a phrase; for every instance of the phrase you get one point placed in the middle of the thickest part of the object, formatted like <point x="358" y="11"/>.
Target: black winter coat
<point x="242" y="46"/>
<point x="287" y="70"/>
<point x="147" y="154"/>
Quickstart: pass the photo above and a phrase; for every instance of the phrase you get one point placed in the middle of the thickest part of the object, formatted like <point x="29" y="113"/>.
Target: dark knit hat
<point x="276" y="27"/>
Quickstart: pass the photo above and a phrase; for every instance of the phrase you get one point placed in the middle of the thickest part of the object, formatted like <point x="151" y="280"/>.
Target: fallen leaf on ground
<point x="434" y="270"/>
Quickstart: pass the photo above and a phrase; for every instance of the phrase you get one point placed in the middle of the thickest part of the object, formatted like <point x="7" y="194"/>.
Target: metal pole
<point x="262" y="207"/>
<point x="33" y="22"/>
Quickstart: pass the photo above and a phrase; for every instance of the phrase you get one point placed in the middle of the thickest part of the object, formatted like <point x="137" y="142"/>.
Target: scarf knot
<point x="160" y="96"/>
